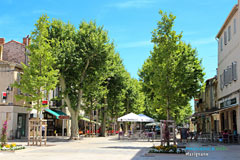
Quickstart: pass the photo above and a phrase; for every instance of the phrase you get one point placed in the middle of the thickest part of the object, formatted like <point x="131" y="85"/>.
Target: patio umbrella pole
<point x="63" y="124"/>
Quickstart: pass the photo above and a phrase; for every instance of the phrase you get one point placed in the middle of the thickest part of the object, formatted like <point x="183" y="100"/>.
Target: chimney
<point x="2" y="41"/>
<point x="26" y="40"/>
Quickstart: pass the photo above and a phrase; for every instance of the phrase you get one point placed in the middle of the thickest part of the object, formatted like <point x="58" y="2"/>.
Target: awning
<point x="153" y="124"/>
<point x="131" y="117"/>
<point x="145" y="118"/>
<point x="88" y="120"/>
<point x="58" y="114"/>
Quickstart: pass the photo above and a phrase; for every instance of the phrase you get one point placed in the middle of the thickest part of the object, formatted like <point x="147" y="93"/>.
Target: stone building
<point x="12" y="54"/>
<point x="228" y="71"/>
<point x="206" y="115"/>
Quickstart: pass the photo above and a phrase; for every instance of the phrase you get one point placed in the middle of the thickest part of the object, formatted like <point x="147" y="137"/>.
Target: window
<point x="234" y="26"/>
<point x="222" y="105"/>
<point x="225" y="38"/>
<point x="229" y="33"/>
<point x="233" y="101"/>
<point x="228" y="75"/>
<point x="18" y="80"/>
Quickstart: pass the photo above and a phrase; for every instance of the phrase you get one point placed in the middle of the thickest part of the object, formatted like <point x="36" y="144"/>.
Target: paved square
<point x="110" y="148"/>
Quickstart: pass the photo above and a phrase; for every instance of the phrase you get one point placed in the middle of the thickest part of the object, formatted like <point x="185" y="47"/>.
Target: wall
<point x="12" y="120"/>
<point x="14" y="52"/>
<point x="228" y="55"/>
<point x="8" y="75"/>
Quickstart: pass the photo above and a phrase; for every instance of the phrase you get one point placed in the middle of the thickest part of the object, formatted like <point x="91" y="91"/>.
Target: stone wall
<point x="14" y="51"/>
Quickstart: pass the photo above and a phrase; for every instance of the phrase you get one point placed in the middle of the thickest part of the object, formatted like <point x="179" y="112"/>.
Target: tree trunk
<point x="168" y="109"/>
<point x="126" y="123"/>
<point x="74" y="124"/>
<point x="74" y="113"/>
<point x="104" y="114"/>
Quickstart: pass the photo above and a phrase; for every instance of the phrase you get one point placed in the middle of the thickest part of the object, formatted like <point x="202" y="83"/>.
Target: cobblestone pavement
<point x="110" y="148"/>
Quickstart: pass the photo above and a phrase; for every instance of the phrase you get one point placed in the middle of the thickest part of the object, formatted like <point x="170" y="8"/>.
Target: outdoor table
<point x="150" y="135"/>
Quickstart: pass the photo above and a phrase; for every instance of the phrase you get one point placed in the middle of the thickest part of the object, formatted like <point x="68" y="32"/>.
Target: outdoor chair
<point x="235" y="138"/>
<point x="216" y="137"/>
<point x="225" y="138"/>
<point x="120" y="134"/>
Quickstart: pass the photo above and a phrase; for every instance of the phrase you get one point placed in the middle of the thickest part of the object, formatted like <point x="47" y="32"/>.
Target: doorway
<point x="21" y="124"/>
<point x="234" y="120"/>
<point x="222" y="122"/>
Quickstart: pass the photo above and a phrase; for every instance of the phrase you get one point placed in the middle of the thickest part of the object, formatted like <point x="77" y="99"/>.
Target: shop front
<point x="57" y="122"/>
<point x="229" y="119"/>
<point x="88" y="127"/>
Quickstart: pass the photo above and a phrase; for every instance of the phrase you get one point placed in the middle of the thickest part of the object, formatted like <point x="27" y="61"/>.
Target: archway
<point x="234" y="120"/>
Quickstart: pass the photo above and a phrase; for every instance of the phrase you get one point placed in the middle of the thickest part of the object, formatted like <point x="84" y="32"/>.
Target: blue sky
<point x="129" y="23"/>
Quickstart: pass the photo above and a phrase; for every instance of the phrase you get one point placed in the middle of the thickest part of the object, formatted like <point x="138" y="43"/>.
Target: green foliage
<point x="81" y="56"/>
<point x="91" y="71"/>
<point x="39" y="76"/>
<point x="4" y="134"/>
<point x="173" y="74"/>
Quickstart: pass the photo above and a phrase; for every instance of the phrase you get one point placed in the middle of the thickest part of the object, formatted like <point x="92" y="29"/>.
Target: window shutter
<point x="234" y="70"/>
<point x="230" y="74"/>
<point x="224" y="77"/>
<point x="229" y="33"/>
<point x="221" y="82"/>
<point x="235" y="26"/>
<point x="225" y="38"/>
<point x="221" y="44"/>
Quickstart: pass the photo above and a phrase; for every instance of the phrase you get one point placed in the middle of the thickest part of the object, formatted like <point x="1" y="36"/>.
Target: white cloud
<point x="135" y="44"/>
<point x="133" y="4"/>
<point x="203" y="41"/>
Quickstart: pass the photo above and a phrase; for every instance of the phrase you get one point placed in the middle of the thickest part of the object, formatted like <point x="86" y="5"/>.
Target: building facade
<point x="228" y="72"/>
<point x="206" y="118"/>
<point x="11" y="54"/>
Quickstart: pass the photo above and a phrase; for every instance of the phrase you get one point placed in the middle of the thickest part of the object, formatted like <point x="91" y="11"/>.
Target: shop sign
<point x="4" y="95"/>
<point x="63" y="117"/>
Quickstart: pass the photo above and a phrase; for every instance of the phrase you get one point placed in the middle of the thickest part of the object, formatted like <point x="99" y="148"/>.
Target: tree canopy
<point x="39" y="75"/>
<point x="173" y="74"/>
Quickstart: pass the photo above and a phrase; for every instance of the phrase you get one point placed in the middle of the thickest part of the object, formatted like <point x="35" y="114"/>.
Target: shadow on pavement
<point x="126" y="147"/>
<point x="49" y="139"/>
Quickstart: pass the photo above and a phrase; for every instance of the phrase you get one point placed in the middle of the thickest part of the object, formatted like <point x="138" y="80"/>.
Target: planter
<point x="168" y="149"/>
<point x="11" y="148"/>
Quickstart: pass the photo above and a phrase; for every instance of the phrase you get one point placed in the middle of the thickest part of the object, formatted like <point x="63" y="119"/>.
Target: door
<point x="21" y="124"/>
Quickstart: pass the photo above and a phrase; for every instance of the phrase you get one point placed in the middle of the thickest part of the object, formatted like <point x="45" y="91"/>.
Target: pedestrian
<point x="43" y="130"/>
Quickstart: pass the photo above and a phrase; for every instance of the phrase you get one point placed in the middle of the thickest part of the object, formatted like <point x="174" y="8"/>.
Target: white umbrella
<point x="153" y="124"/>
<point x="131" y="117"/>
<point x="145" y="118"/>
